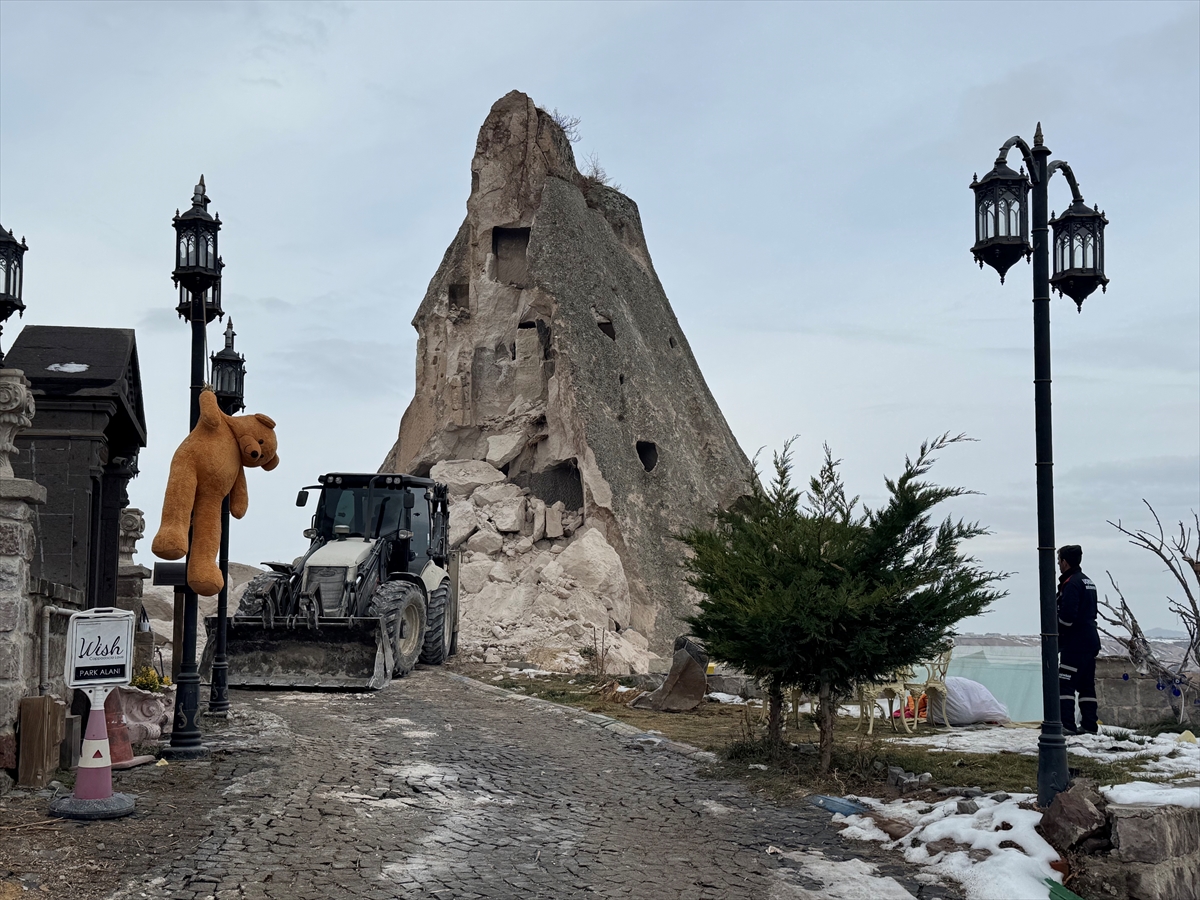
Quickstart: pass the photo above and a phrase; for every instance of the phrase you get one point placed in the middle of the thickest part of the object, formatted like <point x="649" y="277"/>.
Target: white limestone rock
<point x="473" y="576"/>
<point x="463" y="476"/>
<point x="464" y="520"/>
<point x="595" y="566"/>
<point x="485" y="540"/>
<point x="509" y="515"/>
<point x="503" y="448"/>
<point x="484" y="497"/>
<point x="554" y="527"/>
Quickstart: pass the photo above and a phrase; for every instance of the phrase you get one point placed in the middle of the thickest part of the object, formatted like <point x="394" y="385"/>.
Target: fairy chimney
<point x="549" y="354"/>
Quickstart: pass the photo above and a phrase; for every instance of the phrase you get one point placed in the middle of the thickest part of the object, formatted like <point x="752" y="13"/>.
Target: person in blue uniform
<point x="1078" y="642"/>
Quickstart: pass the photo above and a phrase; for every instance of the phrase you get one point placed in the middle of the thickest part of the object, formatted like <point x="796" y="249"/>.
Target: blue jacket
<point x="1077" y="602"/>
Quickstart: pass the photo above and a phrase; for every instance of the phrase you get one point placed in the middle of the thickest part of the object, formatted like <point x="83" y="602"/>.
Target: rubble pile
<point x="534" y="581"/>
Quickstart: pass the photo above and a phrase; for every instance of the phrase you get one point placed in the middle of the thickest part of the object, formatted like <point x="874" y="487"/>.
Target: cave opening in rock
<point x="510" y="246"/>
<point x="558" y="482"/>
<point x="647" y="452"/>
<point x="671" y="341"/>
<point x="607" y="327"/>
<point x="460" y="296"/>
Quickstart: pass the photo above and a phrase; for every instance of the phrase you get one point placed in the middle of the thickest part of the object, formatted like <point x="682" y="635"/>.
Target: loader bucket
<point x="338" y="654"/>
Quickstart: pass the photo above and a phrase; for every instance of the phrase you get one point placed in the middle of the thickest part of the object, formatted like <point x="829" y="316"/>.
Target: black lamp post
<point x="228" y="379"/>
<point x="198" y="274"/>
<point x="1001" y="238"/>
<point x="12" y="270"/>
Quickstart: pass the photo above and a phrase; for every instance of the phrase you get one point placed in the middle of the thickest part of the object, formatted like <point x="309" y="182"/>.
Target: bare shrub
<point x="1179" y="557"/>
<point x="594" y="172"/>
<point x="569" y="125"/>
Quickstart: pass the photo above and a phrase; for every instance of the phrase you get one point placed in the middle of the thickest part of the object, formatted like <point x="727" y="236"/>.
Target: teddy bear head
<point x="256" y="438"/>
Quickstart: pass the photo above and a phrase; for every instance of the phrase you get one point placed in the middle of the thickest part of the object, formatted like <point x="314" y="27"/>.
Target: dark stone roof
<point x="63" y="361"/>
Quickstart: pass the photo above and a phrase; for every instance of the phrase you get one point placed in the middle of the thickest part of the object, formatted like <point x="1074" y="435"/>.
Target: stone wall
<point x="21" y="603"/>
<point x="1130" y="700"/>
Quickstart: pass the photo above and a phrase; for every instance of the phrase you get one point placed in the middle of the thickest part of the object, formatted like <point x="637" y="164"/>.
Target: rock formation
<point x="558" y="396"/>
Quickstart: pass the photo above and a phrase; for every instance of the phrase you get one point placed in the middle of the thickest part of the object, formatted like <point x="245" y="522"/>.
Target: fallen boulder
<point x="686" y="683"/>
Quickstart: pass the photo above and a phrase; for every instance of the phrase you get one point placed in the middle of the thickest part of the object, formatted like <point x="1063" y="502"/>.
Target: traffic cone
<point x="93" y="780"/>
<point x="94" y="797"/>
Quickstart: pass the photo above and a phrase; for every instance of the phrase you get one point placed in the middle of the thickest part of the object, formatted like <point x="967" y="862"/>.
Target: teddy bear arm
<point x="210" y="413"/>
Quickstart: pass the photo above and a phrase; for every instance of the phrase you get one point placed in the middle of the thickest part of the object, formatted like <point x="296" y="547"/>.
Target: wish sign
<point x="99" y="648"/>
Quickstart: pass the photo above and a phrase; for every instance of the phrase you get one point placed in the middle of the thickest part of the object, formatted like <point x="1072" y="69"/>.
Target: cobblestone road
<point x="440" y="788"/>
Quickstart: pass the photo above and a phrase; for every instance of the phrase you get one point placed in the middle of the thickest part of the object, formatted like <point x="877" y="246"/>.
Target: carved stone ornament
<point x="16" y="413"/>
<point x="133" y="528"/>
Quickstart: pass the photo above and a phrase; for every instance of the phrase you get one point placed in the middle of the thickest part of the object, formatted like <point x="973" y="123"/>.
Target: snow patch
<point x="996" y="852"/>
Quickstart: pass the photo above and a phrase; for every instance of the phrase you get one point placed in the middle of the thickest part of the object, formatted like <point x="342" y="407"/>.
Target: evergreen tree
<point x="816" y="592"/>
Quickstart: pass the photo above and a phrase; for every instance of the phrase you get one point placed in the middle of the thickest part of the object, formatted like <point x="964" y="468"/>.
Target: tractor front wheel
<point x="401" y="606"/>
<point x="439" y="634"/>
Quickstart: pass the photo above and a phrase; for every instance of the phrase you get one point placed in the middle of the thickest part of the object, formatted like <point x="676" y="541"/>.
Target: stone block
<point x="504" y="448"/>
<point x="485" y="541"/>
<point x="12" y="611"/>
<point x="1173" y="879"/>
<point x="509" y="515"/>
<point x="23" y="490"/>
<point x="464" y="520"/>
<point x="538" y="510"/>
<point x="463" y="476"/>
<point x="554" y="524"/>
<point x="1154" y="834"/>
<point x="1074" y="815"/>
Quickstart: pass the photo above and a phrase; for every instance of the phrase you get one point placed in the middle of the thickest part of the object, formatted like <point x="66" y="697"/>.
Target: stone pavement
<point x="438" y="787"/>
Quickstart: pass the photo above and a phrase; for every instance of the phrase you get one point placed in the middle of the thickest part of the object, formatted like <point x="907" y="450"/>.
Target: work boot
<point x="1067" y="711"/>
<point x="1087" y="712"/>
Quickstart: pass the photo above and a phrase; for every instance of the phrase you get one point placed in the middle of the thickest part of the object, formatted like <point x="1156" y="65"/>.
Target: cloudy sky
<point x="801" y="171"/>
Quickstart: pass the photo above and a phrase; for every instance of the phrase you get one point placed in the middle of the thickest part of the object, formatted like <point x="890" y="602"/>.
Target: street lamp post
<point x="198" y="274"/>
<point x="1002" y="238"/>
<point x="12" y="281"/>
<point x="228" y="378"/>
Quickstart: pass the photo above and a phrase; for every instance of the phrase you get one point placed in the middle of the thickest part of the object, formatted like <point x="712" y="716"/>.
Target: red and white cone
<point x="94" y="797"/>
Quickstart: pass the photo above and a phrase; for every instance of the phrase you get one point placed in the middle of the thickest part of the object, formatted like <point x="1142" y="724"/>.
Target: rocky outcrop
<point x="548" y="352"/>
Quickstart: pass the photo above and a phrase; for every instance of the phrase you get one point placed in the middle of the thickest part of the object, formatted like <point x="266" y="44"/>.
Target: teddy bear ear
<point x="266" y="420"/>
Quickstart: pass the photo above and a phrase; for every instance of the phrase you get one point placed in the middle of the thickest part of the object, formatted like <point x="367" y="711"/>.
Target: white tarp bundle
<point x="967" y="702"/>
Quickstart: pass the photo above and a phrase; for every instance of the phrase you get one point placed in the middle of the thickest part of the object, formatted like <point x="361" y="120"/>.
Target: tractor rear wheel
<point x="401" y="606"/>
<point x="439" y="629"/>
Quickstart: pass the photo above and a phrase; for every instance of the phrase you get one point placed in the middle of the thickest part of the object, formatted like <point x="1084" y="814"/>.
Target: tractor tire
<point x="258" y="589"/>
<point x="401" y="605"/>
<point x="439" y="628"/>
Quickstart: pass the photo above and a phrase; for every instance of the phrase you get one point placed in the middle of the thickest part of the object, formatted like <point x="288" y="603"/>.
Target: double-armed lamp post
<point x="197" y="273"/>
<point x="1002" y="238"/>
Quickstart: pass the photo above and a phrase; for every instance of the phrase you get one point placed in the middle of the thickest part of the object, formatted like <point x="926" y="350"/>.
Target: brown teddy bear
<point x="207" y="468"/>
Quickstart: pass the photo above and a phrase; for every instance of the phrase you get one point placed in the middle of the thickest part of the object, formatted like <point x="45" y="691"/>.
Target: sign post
<point x="99" y="658"/>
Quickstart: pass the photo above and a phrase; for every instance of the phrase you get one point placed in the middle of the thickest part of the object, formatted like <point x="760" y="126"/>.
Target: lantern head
<point x="12" y="280"/>
<point x="229" y="375"/>
<point x="1078" y="252"/>
<point x="197" y="262"/>
<point x="1001" y="217"/>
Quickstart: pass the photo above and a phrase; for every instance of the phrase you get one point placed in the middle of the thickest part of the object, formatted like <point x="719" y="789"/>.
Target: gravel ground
<point x="437" y="787"/>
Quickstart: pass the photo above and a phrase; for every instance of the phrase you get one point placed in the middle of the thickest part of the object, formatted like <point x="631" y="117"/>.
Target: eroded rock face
<point x="549" y="354"/>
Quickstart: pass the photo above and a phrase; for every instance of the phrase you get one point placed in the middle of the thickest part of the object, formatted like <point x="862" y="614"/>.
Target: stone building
<point x="549" y="352"/>
<point x="71" y="412"/>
